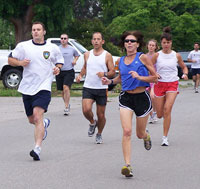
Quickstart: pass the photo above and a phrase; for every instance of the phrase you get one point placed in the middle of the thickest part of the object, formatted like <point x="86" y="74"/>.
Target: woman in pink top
<point x="152" y="47"/>
<point x="166" y="89"/>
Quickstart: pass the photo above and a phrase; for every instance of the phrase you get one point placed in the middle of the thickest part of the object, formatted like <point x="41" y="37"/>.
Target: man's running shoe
<point x="35" y="155"/>
<point x="147" y="141"/>
<point x="46" y="125"/>
<point x="99" y="139"/>
<point x="127" y="171"/>
<point x="67" y="110"/>
<point x="164" y="141"/>
<point x="92" y="128"/>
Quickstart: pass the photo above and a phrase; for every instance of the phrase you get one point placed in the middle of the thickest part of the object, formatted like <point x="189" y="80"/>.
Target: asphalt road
<point x="72" y="160"/>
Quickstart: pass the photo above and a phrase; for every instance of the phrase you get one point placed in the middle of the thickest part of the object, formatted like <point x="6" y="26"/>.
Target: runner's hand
<point x="78" y="78"/>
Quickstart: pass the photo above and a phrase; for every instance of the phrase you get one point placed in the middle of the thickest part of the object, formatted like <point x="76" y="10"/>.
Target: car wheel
<point x="12" y="78"/>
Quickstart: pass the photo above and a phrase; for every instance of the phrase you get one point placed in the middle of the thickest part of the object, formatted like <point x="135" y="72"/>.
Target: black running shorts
<point x="65" y="78"/>
<point x="140" y="103"/>
<point x="98" y="95"/>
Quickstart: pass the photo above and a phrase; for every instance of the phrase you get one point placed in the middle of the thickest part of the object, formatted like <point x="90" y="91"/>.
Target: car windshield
<point x="184" y="55"/>
<point x="79" y="46"/>
<point x="73" y="42"/>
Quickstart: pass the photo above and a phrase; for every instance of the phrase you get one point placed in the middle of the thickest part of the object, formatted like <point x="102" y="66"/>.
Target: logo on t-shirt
<point x="46" y="54"/>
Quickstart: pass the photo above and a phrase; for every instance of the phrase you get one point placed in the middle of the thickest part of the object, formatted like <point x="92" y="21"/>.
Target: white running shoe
<point x="67" y="110"/>
<point x="153" y="118"/>
<point x="92" y="128"/>
<point x="164" y="141"/>
<point x="35" y="154"/>
<point x="99" y="139"/>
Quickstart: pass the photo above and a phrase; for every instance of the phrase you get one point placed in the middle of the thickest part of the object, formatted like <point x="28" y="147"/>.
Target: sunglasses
<point x="63" y="38"/>
<point x="131" y="40"/>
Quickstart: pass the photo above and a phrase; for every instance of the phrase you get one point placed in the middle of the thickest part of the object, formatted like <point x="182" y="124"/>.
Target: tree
<point x="22" y="13"/>
<point x="7" y="38"/>
<point x="84" y="9"/>
<point x="82" y="30"/>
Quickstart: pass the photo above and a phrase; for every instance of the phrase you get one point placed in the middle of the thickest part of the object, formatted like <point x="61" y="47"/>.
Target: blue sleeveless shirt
<point x="128" y="82"/>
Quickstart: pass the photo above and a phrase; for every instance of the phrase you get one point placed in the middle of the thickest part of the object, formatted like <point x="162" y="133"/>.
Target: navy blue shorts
<point x="65" y="78"/>
<point x="98" y="95"/>
<point x="41" y="99"/>
<point x="195" y="71"/>
<point x="140" y="103"/>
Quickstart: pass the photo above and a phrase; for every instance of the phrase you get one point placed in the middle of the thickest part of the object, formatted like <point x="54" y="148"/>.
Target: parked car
<point x="11" y="76"/>
<point x="184" y="55"/>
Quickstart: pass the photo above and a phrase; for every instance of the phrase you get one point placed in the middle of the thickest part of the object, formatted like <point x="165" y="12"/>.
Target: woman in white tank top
<point x="166" y="89"/>
<point x="152" y="47"/>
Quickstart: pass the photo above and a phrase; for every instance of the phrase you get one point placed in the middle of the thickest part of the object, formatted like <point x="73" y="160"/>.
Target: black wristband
<point x="111" y="82"/>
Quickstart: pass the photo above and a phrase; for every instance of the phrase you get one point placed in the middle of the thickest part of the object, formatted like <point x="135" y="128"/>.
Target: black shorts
<point x="98" y="95"/>
<point x="65" y="78"/>
<point x="41" y="99"/>
<point x="195" y="71"/>
<point x="140" y="103"/>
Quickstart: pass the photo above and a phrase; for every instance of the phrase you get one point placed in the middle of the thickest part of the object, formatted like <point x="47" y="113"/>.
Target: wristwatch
<point x="105" y="74"/>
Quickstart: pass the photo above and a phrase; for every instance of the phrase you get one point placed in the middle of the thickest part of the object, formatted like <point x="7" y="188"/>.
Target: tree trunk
<point x="23" y="25"/>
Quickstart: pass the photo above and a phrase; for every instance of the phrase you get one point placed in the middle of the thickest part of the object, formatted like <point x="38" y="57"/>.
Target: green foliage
<point x="56" y="15"/>
<point x="82" y="30"/>
<point x="111" y="17"/>
<point x="7" y="39"/>
<point x="185" y="32"/>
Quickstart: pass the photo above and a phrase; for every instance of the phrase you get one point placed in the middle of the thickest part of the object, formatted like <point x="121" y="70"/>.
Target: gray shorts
<point x="98" y="95"/>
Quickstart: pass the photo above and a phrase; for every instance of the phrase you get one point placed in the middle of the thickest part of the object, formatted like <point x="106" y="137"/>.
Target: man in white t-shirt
<point x="194" y="57"/>
<point x="40" y="60"/>
<point x="98" y="63"/>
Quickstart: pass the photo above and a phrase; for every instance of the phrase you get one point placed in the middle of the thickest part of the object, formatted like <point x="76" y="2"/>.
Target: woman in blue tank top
<point x="134" y="69"/>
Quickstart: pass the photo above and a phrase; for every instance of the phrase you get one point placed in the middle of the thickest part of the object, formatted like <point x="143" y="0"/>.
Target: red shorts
<point x="161" y="88"/>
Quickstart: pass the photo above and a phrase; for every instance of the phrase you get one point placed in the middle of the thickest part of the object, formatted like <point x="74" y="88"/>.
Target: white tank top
<point x="166" y="66"/>
<point x="94" y="65"/>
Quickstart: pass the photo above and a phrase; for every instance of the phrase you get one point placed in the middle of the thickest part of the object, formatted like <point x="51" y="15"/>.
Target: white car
<point x="11" y="76"/>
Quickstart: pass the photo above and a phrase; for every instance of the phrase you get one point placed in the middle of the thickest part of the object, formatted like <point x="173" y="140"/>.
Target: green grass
<point x="76" y="91"/>
<point x="8" y="92"/>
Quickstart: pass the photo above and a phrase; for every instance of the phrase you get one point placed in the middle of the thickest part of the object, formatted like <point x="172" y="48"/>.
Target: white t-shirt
<point x="166" y="66"/>
<point x="38" y="74"/>
<point x="94" y="65"/>
<point x="195" y="55"/>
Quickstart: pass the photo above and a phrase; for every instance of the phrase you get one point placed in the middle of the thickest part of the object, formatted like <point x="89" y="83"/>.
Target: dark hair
<point x="196" y="43"/>
<point x="37" y="22"/>
<point x="98" y="33"/>
<point x="138" y="35"/>
<point x="155" y="41"/>
<point x="166" y="34"/>
<point x="64" y="34"/>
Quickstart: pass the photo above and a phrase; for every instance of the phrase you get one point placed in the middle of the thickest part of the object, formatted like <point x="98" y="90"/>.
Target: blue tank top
<point x="128" y="82"/>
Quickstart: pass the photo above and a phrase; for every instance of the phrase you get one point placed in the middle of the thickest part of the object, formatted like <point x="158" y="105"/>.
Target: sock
<point x="37" y="149"/>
